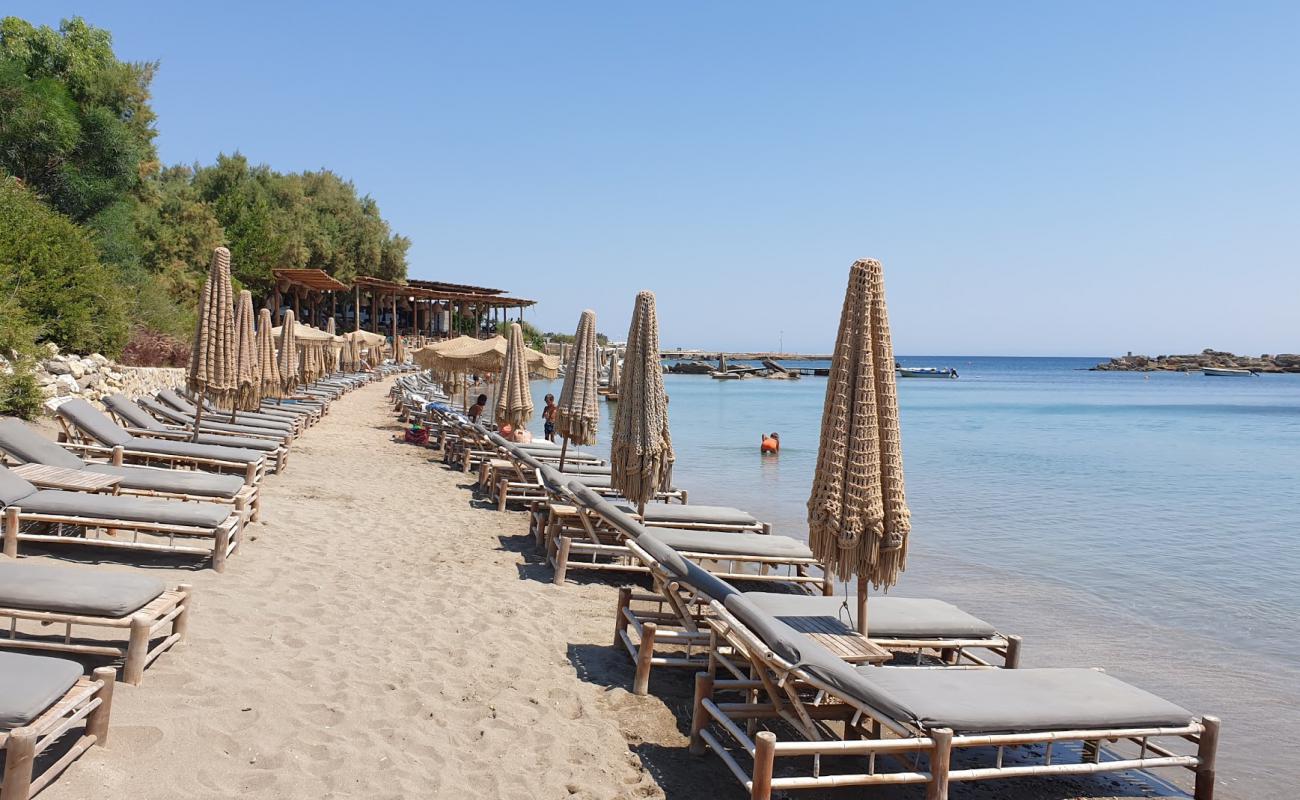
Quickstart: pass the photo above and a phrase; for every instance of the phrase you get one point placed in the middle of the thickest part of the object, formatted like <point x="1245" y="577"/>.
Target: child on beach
<point x="476" y="410"/>
<point x="548" y="418"/>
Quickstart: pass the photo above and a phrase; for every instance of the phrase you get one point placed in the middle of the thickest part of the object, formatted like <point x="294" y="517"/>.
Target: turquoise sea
<point x="1143" y="522"/>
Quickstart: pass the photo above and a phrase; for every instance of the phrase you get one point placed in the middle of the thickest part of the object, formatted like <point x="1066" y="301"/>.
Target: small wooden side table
<point x="75" y="480"/>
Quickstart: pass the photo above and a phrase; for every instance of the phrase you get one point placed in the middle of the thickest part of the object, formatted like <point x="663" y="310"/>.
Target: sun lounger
<point x="958" y="723"/>
<point x="41" y="699"/>
<point x="137" y="422"/>
<point x="730" y="554"/>
<point x="173" y="399"/>
<point x="212" y="423"/>
<point x="152" y="616"/>
<point x="90" y="431"/>
<point x="164" y="521"/>
<point x="19" y="442"/>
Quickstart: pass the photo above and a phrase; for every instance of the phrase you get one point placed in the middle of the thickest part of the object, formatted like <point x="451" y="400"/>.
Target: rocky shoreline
<point x="1284" y="362"/>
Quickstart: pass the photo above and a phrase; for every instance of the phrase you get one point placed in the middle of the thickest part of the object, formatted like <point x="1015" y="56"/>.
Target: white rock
<point x="43" y="378"/>
<point x="90" y="365"/>
<point x="49" y="390"/>
<point x="66" y="384"/>
<point x="74" y="366"/>
<point x="100" y="359"/>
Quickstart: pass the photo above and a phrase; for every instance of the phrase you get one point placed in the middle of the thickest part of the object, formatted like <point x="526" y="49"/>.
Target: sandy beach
<point x="382" y="636"/>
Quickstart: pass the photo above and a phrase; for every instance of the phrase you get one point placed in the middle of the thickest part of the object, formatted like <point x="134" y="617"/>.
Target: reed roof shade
<point x="431" y="290"/>
<point x="455" y="288"/>
<point x="315" y="279"/>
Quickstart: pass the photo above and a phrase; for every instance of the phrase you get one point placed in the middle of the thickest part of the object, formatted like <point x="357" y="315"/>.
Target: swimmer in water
<point x="771" y="443"/>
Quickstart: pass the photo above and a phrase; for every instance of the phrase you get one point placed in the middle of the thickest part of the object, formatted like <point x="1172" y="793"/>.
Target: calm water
<point x="1142" y="522"/>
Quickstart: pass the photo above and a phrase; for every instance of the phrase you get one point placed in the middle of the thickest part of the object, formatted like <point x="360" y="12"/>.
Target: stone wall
<point x="61" y="376"/>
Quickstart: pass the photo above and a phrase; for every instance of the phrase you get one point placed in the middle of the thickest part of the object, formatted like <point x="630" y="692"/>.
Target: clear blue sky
<point x="1038" y="178"/>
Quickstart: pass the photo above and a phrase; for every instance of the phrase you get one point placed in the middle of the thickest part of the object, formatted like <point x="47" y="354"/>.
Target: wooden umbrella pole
<point x="198" y="417"/>
<point x="564" y="448"/>
<point x="862" y="606"/>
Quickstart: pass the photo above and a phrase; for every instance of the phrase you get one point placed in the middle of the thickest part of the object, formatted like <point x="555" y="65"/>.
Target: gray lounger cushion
<point x="31" y="684"/>
<point x="22" y="442"/>
<point x="676" y="512"/>
<point x="121" y="405"/>
<point x="93" y="422"/>
<point x="67" y="590"/>
<point x="192" y="482"/>
<point x="167" y="447"/>
<point x="888" y="617"/>
<point x="13" y="488"/>
<point x="218" y="421"/>
<point x="1003" y="700"/>
<point x="727" y="543"/>
<point x="125" y="508"/>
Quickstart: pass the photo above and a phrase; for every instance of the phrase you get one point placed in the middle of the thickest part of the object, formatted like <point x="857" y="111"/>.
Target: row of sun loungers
<point x="784" y="657"/>
<point x="142" y="485"/>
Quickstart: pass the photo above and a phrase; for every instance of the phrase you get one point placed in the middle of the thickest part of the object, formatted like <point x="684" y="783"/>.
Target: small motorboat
<point x="926" y="372"/>
<point x="1229" y="372"/>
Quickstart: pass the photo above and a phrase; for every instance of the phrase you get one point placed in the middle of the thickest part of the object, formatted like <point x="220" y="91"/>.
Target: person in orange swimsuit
<point x="771" y="443"/>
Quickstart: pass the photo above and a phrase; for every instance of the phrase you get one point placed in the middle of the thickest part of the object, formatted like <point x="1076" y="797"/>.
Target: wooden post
<point x="11" y="532"/>
<point x="20" y="756"/>
<point x="374" y="311"/>
<point x="119" y="454"/>
<point x="137" y="649"/>
<point x="940" y="759"/>
<point x="97" y="720"/>
<point x="862" y="606"/>
<point x="562" y="561"/>
<point x="1206" y="750"/>
<point x="620" y="618"/>
<point x="219" y="548"/>
<point x="700" y="717"/>
<point x="564" y="448"/>
<point x="198" y="416"/>
<point x="181" y="625"/>
<point x="764" y="764"/>
<point x="1013" y="652"/>
<point x="644" y="653"/>
<point x="356" y="309"/>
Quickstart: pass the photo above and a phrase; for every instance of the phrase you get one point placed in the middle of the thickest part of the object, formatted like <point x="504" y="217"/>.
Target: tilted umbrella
<point x="268" y="371"/>
<point x="212" y="361"/>
<point x="858" y="521"/>
<point x="641" y="448"/>
<point x="288" y="355"/>
<point x="515" y="400"/>
<point x="248" y="393"/>
<point x="578" y="414"/>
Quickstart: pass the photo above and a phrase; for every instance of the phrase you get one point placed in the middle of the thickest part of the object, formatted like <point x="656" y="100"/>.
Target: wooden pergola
<point x="313" y="294"/>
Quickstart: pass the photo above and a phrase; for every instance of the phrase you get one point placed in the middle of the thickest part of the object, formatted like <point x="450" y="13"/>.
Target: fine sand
<point x="381" y="635"/>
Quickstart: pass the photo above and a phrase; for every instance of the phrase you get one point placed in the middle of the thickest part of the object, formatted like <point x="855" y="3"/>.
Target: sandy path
<point x="379" y="636"/>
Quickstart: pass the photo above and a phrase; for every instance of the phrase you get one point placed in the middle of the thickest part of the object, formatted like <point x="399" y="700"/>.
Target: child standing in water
<point x="771" y="443"/>
<point x="548" y="418"/>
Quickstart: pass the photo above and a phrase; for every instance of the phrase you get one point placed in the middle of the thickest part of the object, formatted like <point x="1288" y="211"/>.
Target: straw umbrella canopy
<point x="641" y="449"/>
<point x="268" y="371"/>
<point x="858" y="521"/>
<point x="578" y="414"/>
<point x="515" y="400"/>
<point x="212" y="360"/>
<point x="288" y="355"/>
<point x="248" y="393"/>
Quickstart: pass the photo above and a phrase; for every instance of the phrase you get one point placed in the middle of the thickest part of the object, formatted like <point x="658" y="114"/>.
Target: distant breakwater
<point x="1284" y="362"/>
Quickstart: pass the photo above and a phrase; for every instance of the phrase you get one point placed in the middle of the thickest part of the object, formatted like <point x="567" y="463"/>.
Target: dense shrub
<point x="19" y="394"/>
<point x="148" y="348"/>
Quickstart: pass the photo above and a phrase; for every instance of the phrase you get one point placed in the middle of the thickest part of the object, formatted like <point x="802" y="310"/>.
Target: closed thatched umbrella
<point x="578" y="414"/>
<point x="248" y="395"/>
<point x="515" y="400"/>
<point x="858" y="521"/>
<point x="331" y="353"/>
<point x="212" y="361"/>
<point x="615" y="372"/>
<point x="288" y="356"/>
<point x="268" y="371"/>
<point x="399" y="350"/>
<point x="641" y="449"/>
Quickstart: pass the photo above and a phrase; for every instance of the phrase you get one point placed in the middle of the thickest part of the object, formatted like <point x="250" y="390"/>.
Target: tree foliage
<point x="77" y="130"/>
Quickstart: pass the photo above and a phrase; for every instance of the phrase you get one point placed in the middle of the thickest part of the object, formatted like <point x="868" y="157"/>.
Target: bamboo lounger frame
<point x="777" y="690"/>
<point x="563" y="552"/>
<point x="225" y="537"/>
<point x="91" y="700"/>
<point x="280" y="456"/>
<point x="167" y="615"/>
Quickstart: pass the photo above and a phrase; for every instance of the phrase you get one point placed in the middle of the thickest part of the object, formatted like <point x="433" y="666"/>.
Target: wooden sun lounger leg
<point x="562" y="561"/>
<point x="181" y="625"/>
<point x="1012" y="660"/>
<point x="11" y="532"/>
<point x="764" y="765"/>
<point x="620" y="618"/>
<point x="700" y="717"/>
<point x="644" y="653"/>
<point x="221" y="543"/>
<point x="137" y="649"/>
<point x="940" y="761"/>
<point x="20" y="756"/>
<point x="97" y="720"/>
<point x="1206" y="751"/>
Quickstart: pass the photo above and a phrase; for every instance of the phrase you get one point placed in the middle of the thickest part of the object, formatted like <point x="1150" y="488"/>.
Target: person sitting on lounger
<point x="476" y="410"/>
<point x="770" y="443"/>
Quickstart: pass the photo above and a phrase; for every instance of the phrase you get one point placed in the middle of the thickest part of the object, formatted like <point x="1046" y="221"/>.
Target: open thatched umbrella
<point x="578" y="414"/>
<point x="288" y="355"/>
<point x="515" y="400"/>
<point x="858" y="521"/>
<point x="248" y="395"/>
<point x="212" y="361"/>
<point x="641" y="449"/>
<point x="268" y="371"/>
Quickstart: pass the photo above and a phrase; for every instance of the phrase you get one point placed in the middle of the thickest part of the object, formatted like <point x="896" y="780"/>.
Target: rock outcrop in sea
<point x="1284" y="362"/>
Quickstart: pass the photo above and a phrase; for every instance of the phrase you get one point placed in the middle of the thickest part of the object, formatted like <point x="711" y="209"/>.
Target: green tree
<point x="52" y="278"/>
